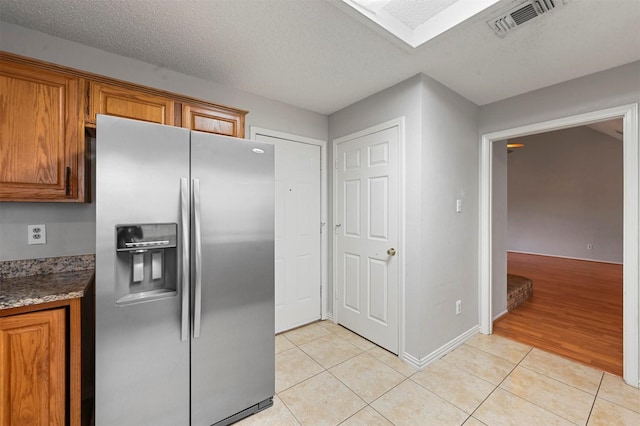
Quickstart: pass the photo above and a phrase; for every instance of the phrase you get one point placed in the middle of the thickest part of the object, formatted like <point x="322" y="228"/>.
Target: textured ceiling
<point x="312" y="54"/>
<point x="412" y="13"/>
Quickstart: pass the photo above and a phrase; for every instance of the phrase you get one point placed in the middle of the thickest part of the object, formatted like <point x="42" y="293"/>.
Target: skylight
<point x="416" y="21"/>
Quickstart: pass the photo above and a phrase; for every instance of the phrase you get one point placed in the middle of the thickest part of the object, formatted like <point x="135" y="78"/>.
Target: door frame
<point x="324" y="244"/>
<point x="631" y="222"/>
<point x="400" y="125"/>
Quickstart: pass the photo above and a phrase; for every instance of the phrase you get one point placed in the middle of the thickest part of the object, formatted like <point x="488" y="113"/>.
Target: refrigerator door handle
<point x="197" y="308"/>
<point x="184" y="285"/>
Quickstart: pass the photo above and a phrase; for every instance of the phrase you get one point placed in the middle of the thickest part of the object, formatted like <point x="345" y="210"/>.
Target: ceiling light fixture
<point x="511" y="146"/>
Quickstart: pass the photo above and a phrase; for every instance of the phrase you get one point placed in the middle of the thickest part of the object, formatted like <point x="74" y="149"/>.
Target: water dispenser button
<point x="156" y="266"/>
<point x="138" y="268"/>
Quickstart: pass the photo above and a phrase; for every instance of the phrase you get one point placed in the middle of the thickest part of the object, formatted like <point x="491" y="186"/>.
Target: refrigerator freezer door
<point x="233" y="356"/>
<point x="142" y="365"/>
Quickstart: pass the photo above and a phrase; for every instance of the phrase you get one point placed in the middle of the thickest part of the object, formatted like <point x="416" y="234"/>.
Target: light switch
<point x="458" y="206"/>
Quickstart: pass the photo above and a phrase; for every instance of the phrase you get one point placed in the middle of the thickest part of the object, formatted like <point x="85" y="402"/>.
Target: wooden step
<point x="519" y="290"/>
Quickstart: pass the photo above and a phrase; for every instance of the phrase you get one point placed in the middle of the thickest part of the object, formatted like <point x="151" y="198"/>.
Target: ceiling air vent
<point x="520" y="14"/>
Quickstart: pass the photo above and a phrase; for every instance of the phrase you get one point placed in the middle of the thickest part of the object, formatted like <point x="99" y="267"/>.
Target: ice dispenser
<point x="146" y="267"/>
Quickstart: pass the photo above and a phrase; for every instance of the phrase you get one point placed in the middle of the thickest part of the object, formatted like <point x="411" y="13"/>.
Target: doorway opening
<point x="575" y="310"/>
<point x="562" y="195"/>
<point x="631" y="233"/>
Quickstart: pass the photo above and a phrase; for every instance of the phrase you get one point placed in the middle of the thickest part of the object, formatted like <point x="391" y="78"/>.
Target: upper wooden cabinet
<point x="123" y="102"/>
<point x="212" y="120"/>
<point x="42" y="149"/>
<point x="45" y="110"/>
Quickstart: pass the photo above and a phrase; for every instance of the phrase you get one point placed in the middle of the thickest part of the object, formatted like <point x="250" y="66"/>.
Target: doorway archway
<point x="631" y="225"/>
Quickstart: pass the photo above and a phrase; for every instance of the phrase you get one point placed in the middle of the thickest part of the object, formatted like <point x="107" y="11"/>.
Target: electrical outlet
<point x="589" y="246"/>
<point x="458" y="307"/>
<point x="36" y="234"/>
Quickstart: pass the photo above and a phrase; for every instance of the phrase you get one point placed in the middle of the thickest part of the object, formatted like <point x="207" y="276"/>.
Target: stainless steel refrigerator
<point x="184" y="275"/>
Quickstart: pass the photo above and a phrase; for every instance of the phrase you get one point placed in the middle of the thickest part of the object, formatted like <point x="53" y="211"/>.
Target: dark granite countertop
<point x="24" y="283"/>
<point x="35" y="289"/>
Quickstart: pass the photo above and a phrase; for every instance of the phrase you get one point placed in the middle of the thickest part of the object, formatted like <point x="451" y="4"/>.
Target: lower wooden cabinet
<point x="33" y="368"/>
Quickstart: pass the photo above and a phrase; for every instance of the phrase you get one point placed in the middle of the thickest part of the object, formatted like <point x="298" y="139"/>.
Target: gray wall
<point x="606" y="89"/>
<point x="499" y="186"/>
<point x="615" y="87"/>
<point x="401" y="100"/>
<point x="565" y="191"/>
<point x="441" y="165"/>
<point x="71" y="228"/>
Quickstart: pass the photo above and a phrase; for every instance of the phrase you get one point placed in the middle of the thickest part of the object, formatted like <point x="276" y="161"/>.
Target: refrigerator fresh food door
<point x="142" y="361"/>
<point x="233" y="328"/>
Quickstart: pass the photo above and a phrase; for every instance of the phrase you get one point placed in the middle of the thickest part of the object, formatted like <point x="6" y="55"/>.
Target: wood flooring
<point x="575" y="311"/>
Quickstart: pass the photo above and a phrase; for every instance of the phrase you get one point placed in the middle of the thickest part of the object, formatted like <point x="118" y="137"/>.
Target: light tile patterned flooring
<point x="327" y="375"/>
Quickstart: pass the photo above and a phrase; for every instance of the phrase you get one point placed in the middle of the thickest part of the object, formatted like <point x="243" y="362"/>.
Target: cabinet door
<point x="32" y="368"/>
<point x="212" y="120"/>
<point x="128" y="103"/>
<point x="42" y="152"/>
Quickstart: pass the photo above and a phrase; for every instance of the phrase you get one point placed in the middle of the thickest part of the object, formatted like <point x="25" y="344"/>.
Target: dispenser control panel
<point x="146" y="262"/>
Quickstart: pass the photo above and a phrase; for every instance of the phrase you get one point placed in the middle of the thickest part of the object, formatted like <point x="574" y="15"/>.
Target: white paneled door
<point x="297" y="232"/>
<point x="367" y="194"/>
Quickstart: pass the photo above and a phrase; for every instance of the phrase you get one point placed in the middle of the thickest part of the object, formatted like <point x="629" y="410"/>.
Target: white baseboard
<point x="565" y="257"/>
<point x="505" y="312"/>
<point x="421" y="363"/>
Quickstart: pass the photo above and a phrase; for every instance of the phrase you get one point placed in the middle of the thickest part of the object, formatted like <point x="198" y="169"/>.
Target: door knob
<point x="391" y="252"/>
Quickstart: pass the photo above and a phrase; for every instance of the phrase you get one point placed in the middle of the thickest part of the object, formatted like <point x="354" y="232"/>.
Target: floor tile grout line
<point x="389" y="390"/>
<point x="301" y="381"/>
<point x="595" y="398"/>
<point x="289" y="410"/>
<point x="604" y="398"/>
<point x="558" y="380"/>
<point x="335" y="365"/>
<point x="539" y="406"/>
<point x="405" y="378"/>
<point x="451" y="402"/>
<point x="413" y="374"/>
<point x="502" y="381"/>
<point x="332" y="375"/>
<point x="531" y="402"/>
<point x="367" y="404"/>
<point x="464" y="371"/>
<point x="496" y="355"/>
<point x="562" y="381"/>
<point x="442" y="399"/>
